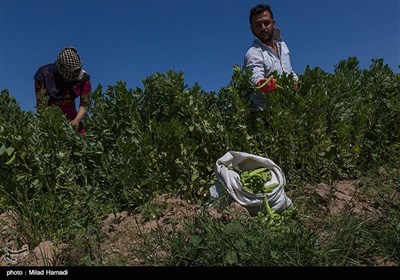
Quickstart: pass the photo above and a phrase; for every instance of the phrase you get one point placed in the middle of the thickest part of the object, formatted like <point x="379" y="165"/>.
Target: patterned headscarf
<point x="68" y="64"/>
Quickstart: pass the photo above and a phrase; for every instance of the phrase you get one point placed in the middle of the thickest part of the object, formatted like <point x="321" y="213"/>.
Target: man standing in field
<point x="267" y="54"/>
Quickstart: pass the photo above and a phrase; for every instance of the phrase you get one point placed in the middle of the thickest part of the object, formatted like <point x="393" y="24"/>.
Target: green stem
<point x="269" y="212"/>
<point x="264" y="83"/>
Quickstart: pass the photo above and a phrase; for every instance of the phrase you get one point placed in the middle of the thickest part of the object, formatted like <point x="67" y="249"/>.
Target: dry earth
<point x="124" y="231"/>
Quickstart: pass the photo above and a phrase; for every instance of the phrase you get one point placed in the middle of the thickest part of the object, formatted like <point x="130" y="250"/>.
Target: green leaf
<point x="231" y="258"/>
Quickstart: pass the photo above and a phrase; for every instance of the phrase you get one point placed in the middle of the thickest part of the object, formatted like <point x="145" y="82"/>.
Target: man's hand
<point x="266" y="85"/>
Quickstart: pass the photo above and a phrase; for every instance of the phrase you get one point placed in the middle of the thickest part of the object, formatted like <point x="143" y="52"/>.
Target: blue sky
<point x="129" y="40"/>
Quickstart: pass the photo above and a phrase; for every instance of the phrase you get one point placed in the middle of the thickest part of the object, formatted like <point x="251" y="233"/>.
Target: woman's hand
<point x="74" y="123"/>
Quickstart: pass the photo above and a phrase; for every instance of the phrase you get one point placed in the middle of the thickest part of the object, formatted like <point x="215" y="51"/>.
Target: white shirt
<point x="262" y="61"/>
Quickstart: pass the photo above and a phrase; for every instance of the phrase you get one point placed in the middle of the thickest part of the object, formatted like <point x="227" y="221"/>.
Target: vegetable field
<point x="164" y="139"/>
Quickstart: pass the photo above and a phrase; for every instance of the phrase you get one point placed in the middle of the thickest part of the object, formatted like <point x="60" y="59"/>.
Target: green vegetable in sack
<point x="254" y="181"/>
<point x="269" y="188"/>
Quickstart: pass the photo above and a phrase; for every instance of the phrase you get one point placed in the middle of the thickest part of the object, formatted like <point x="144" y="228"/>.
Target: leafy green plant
<point x="166" y="138"/>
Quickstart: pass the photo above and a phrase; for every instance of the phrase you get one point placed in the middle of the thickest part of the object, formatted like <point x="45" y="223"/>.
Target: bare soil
<point x="123" y="231"/>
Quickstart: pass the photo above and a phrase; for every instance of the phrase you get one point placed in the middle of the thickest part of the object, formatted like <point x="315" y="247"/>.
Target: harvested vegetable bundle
<point x="249" y="180"/>
<point x="257" y="180"/>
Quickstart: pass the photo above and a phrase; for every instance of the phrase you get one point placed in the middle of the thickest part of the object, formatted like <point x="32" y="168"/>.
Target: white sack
<point x="228" y="181"/>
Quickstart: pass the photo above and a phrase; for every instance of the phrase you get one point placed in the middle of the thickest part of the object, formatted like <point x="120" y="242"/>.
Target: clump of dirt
<point x="344" y="197"/>
<point x="13" y="253"/>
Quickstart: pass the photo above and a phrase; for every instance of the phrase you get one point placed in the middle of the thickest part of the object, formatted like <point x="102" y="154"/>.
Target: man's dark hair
<point x="260" y="9"/>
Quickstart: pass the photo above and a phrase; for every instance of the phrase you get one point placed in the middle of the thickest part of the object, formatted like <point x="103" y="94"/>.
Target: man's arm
<point x="253" y="60"/>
